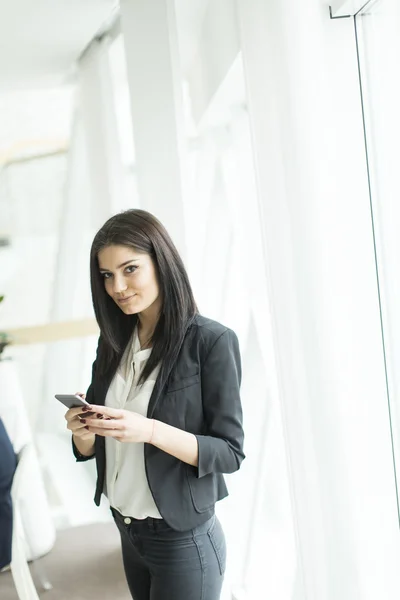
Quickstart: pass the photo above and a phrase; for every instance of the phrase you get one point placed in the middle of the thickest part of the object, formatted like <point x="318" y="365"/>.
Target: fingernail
<point x="99" y="416"/>
<point x="86" y="427"/>
<point x="85" y="408"/>
<point x="83" y="420"/>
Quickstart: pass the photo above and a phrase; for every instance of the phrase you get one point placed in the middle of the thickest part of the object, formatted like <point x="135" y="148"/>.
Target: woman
<point x="165" y="417"/>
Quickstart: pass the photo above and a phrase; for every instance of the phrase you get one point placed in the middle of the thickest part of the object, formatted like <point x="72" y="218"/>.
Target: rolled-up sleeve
<point x="221" y="450"/>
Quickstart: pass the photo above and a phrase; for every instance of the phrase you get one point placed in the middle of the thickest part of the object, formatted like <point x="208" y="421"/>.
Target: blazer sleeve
<point x="89" y="399"/>
<point x="221" y="451"/>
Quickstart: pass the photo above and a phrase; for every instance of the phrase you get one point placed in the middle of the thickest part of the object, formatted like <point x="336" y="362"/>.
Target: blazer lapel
<point x="163" y="375"/>
<point x="158" y="389"/>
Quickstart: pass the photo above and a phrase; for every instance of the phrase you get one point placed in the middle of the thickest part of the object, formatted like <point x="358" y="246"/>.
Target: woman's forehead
<point x="115" y="255"/>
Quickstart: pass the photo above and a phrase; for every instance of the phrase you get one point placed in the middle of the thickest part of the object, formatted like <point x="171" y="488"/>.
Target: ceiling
<point x="40" y="40"/>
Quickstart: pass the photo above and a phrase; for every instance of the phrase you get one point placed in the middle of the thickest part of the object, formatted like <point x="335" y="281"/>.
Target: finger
<point x="74" y="412"/>
<point x="83" y="434"/>
<point x="81" y="395"/>
<point x="102" y="424"/>
<point x="75" y="426"/>
<point x="89" y="415"/>
<point x="114" y="413"/>
<point x="114" y="433"/>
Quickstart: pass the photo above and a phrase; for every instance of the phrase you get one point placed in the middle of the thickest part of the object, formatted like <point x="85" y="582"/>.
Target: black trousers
<point x="8" y="464"/>
<point x="163" y="564"/>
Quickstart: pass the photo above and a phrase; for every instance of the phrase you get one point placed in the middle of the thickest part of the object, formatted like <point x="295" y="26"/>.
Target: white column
<point x="149" y="30"/>
<point x="97" y="109"/>
<point x="71" y="288"/>
<point x="304" y="106"/>
<point x="67" y="363"/>
<point x="74" y="224"/>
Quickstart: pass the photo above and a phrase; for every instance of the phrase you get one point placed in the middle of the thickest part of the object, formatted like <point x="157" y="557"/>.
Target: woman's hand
<point x="122" y="425"/>
<point x="127" y="426"/>
<point x="75" y="425"/>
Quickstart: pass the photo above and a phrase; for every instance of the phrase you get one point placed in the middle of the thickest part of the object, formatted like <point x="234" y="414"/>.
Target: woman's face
<point x="129" y="278"/>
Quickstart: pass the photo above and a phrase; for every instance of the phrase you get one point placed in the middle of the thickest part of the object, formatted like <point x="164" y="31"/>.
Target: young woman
<point x="165" y="417"/>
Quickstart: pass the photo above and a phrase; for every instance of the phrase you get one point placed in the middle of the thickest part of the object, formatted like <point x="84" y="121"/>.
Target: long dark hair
<point x="142" y="232"/>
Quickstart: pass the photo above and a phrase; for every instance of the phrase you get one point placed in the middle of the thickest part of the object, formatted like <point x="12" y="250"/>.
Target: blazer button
<point x="127" y="521"/>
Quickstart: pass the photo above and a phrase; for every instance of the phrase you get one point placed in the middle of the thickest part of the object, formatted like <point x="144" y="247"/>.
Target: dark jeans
<point x="8" y="464"/>
<point x="163" y="564"/>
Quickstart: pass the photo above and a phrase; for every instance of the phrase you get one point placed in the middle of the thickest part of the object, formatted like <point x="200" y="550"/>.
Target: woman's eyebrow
<point x="122" y="264"/>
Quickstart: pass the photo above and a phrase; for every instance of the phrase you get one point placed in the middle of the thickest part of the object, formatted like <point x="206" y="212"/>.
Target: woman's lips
<point x="123" y="300"/>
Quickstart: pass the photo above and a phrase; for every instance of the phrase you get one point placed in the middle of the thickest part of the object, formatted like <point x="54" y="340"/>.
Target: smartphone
<point x="71" y="400"/>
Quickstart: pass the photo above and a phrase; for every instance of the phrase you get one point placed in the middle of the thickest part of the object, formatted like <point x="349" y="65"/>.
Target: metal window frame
<point x="342" y="9"/>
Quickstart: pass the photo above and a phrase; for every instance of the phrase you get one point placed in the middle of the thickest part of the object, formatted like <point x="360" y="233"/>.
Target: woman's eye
<point x="106" y="275"/>
<point x="131" y="269"/>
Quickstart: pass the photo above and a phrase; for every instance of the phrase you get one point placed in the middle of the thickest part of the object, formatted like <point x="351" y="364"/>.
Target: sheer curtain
<point x="227" y="266"/>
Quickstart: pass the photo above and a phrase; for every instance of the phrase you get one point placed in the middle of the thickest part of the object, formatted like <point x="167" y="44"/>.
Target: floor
<point x="84" y="564"/>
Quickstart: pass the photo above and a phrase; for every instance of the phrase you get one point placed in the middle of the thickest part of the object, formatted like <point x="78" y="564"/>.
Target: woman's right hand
<point x="74" y="423"/>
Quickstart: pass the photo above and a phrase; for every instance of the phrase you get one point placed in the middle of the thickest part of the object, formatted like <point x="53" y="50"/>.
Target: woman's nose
<point x="119" y="285"/>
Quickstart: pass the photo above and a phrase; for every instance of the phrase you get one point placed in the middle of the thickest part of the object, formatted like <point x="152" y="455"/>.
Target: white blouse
<point x="126" y="483"/>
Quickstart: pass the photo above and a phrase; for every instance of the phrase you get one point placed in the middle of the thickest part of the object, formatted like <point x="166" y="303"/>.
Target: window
<point x="377" y="28"/>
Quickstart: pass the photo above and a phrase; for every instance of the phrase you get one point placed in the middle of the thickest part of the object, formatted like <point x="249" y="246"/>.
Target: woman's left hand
<point x="122" y="425"/>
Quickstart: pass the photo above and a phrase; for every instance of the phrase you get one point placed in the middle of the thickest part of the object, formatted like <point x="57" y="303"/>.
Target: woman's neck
<point x="145" y="336"/>
<point x="147" y="321"/>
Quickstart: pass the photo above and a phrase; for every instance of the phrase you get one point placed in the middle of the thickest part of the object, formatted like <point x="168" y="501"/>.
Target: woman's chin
<point x="129" y="310"/>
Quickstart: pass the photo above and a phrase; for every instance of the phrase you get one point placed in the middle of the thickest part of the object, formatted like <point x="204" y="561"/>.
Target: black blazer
<point x="199" y="394"/>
